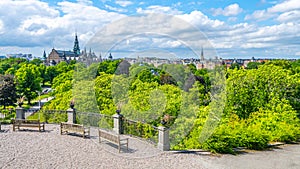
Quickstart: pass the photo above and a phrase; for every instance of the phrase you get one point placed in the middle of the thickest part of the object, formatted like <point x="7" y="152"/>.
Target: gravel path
<point x="49" y="149"/>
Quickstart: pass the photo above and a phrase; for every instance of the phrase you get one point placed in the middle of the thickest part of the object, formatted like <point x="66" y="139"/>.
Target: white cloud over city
<point x="232" y="29"/>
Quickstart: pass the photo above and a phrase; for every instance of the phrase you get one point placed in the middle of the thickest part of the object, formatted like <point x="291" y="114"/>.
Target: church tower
<point x="76" y="48"/>
<point x="44" y="55"/>
<point x="202" y="55"/>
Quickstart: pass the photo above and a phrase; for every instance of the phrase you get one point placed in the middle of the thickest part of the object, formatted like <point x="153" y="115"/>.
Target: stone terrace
<point x="49" y="149"/>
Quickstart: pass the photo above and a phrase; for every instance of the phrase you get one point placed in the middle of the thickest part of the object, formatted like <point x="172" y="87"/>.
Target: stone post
<point x="118" y="123"/>
<point x="163" y="138"/>
<point x="20" y="113"/>
<point x="71" y="116"/>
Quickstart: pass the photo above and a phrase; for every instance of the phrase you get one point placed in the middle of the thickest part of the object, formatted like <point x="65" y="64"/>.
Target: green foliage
<point x="261" y="107"/>
<point x="108" y="66"/>
<point x="62" y="85"/>
<point x="139" y="129"/>
<point x="248" y="90"/>
<point x="103" y="94"/>
<point x="8" y="92"/>
<point x="42" y="69"/>
<point x="50" y="73"/>
<point x="28" y="81"/>
<point x="178" y="72"/>
<point x="235" y="66"/>
<point x="253" y="65"/>
<point x="36" y="62"/>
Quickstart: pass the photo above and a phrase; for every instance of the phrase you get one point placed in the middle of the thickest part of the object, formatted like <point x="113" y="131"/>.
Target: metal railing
<point x="140" y="129"/>
<point x="129" y="127"/>
<point x="95" y="119"/>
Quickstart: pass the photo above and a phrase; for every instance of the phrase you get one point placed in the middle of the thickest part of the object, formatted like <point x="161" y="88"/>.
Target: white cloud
<point x="259" y="15"/>
<point x="115" y="9"/>
<point x="246" y="36"/>
<point x="1" y="27"/>
<point x="285" y="6"/>
<point x="158" y="9"/>
<point x="85" y="2"/>
<point x="34" y="23"/>
<point x="290" y="16"/>
<point x="232" y="19"/>
<point x="124" y="3"/>
<point x="37" y="24"/>
<point x="201" y="21"/>
<point x="289" y="9"/>
<point x="230" y="10"/>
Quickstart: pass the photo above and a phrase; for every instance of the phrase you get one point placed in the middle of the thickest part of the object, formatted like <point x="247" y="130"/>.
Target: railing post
<point x="20" y="113"/>
<point x="118" y="123"/>
<point x="163" y="138"/>
<point x="71" y="116"/>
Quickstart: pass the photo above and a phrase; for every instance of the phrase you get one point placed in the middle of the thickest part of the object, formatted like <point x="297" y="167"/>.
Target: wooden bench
<point x="75" y="128"/>
<point x="113" y="138"/>
<point x="17" y="123"/>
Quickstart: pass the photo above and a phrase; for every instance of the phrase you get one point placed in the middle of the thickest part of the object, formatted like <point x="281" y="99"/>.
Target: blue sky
<point x="235" y="29"/>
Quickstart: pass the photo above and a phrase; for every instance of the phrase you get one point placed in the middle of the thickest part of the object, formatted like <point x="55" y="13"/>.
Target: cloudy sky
<point x="236" y="29"/>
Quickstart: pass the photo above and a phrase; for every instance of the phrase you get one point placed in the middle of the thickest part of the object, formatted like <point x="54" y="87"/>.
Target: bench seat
<point x="74" y="128"/>
<point x="113" y="138"/>
<point x="18" y="123"/>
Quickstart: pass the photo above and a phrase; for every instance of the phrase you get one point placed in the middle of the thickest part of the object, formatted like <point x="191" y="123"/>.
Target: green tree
<point x="42" y="69"/>
<point x="108" y="66"/>
<point x="36" y="62"/>
<point x="62" y="67"/>
<point x="51" y="73"/>
<point x="3" y="67"/>
<point x="249" y="90"/>
<point x="28" y="81"/>
<point x="8" y="95"/>
<point x="103" y="93"/>
<point x="234" y="66"/>
<point x="253" y="65"/>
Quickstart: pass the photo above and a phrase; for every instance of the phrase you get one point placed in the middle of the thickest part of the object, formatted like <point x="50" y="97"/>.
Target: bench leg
<point x="61" y="129"/>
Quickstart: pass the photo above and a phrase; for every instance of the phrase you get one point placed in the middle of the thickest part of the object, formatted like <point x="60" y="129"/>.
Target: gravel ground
<point x="49" y="149"/>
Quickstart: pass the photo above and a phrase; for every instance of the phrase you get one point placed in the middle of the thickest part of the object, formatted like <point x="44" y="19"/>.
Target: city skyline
<point x="236" y="29"/>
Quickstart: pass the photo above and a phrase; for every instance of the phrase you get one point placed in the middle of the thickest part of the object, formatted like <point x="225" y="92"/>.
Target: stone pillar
<point x="118" y="123"/>
<point x="20" y="113"/>
<point x="163" y="138"/>
<point x="71" y="116"/>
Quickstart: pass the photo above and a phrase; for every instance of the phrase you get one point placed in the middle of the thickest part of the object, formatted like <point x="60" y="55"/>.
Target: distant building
<point x="20" y="55"/>
<point x="57" y="56"/>
<point x="89" y="57"/>
<point x="76" y="48"/>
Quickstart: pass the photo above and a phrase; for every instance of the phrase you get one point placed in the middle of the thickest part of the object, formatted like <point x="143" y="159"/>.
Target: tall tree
<point x="42" y="69"/>
<point x="28" y="81"/>
<point x="51" y="73"/>
<point x="8" y="95"/>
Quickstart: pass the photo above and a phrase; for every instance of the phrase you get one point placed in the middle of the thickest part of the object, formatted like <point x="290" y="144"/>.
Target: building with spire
<point x="202" y="54"/>
<point x="57" y="56"/>
<point x="76" y="48"/>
